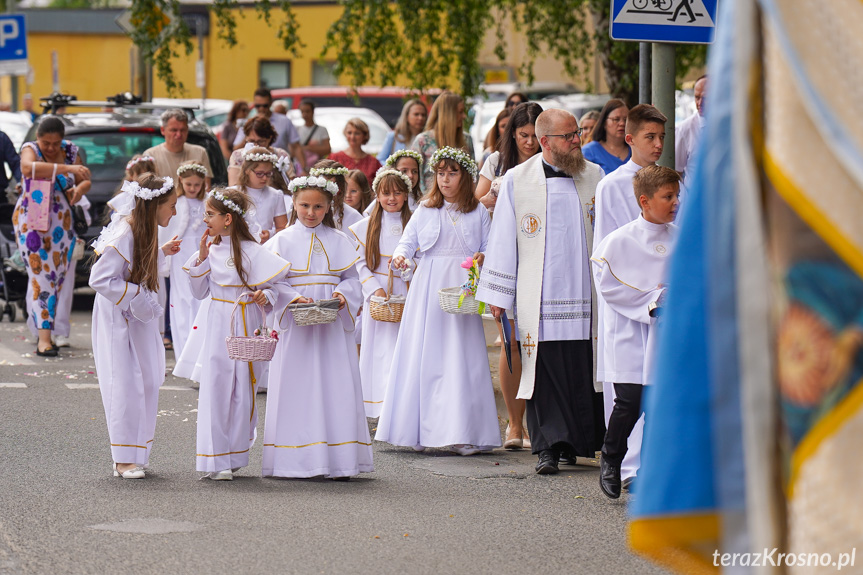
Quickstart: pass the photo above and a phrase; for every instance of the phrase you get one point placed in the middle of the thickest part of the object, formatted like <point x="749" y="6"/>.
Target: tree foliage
<point x="429" y="43"/>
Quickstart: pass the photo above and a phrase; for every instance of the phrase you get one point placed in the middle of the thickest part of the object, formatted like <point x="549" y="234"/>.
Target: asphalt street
<point x="61" y="511"/>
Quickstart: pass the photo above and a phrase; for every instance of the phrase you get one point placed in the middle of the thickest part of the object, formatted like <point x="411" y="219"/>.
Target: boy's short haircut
<point x="643" y="114"/>
<point x="650" y="179"/>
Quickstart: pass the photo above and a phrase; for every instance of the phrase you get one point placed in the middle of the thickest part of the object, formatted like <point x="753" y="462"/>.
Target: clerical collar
<point x="551" y="171"/>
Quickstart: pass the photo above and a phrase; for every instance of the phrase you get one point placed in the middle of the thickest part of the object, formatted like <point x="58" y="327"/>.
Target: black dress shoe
<point x="49" y="352"/>
<point x="547" y="465"/>
<point x="609" y="478"/>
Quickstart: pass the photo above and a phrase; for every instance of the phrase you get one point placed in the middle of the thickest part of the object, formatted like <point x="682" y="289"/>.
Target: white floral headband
<point x="457" y="155"/>
<point x="272" y="158"/>
<point x="313" y="182"/>
<point x="217" y="195"/>
<point x="397" y="155"/>
<point x="134" y="161"/>
<point x="192" y="168"/>
<point x="329" y="172"/>
<point x="146" y="193"/>
<point x="389" y="171"/>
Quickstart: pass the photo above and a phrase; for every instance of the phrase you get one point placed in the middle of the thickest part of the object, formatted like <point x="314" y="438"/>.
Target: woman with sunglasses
<point x="609" y="148"/>
<point x="259" y="131"/>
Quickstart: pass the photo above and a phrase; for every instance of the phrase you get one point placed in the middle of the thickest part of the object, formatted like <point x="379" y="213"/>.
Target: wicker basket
<point x="316" y="313"/>
<point x="250" y="348"/>
<point x="387" y="308"/>
<point x="448" y="299"/>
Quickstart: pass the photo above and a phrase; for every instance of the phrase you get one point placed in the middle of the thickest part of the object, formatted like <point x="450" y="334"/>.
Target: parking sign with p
<point x="13" y="45"/>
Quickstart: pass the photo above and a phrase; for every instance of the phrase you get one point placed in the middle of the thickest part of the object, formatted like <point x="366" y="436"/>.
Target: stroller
<point x="13" y="273"/>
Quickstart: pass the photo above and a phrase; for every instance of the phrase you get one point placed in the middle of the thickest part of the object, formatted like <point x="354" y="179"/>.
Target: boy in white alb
<point x="629" y="267"/>
<point x="616" y="206"/>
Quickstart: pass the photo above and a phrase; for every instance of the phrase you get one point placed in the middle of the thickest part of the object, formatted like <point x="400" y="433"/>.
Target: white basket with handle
<point x="250" y="348"/>
<point x="389" y="308"/>
<point x="319" y="312"/>
<point x="448" y="300"/>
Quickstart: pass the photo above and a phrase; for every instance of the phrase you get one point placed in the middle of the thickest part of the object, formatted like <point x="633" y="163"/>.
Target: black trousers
<point x="627" y="410"/>
<point x="565" y="413"/>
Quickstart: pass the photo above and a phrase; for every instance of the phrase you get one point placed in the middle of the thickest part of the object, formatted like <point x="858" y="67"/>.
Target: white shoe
<point x="134" y="473"/>
<point x="224" y="475"/>
<point x="465" y="449"/>
<point x="61" y="341"/>
<point x="419" y="448"/>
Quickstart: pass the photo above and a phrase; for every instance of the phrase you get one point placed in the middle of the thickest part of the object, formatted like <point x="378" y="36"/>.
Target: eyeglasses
<point x="210" y="215"/>
<point x="262" y="106"/>
<point x="263" y="175"/>
<point x="259" y="142"/>
<point x="569" y="136"/>
<point x="617" y="120"/>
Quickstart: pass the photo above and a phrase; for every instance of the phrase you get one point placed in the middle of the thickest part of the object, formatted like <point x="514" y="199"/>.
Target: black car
<point x="106" y="142"/>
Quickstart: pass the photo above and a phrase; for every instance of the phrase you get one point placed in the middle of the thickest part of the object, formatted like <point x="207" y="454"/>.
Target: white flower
<point x="192" y="168"/>
<point x="313" y="182"/>
<point x="329" y="171"/>
<point x="459" y="156"/>
<point x="134" y="161"/>
<point x="394" y="158"/>
<point x="146" y="193"/>
<point x="385" y="171"/>
<point x="217" y="195"/>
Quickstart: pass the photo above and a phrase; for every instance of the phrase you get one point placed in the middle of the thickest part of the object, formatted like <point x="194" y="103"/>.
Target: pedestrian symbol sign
<point x="677" y="21"/>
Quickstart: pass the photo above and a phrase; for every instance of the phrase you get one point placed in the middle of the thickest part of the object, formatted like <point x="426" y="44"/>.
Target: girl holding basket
<point x="315" y="420"/>
<point x="229" y="267"/>
<point x="439" y="391"/>
<point x="378" y="236"/>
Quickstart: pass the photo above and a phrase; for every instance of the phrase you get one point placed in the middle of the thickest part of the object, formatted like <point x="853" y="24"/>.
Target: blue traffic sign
<point x="677" y="21"/>
<point x="13" y="44"/>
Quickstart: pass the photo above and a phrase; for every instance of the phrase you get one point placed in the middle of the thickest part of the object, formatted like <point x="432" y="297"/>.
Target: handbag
<point x="38" y="194"/>
<point x="79" y="222"/>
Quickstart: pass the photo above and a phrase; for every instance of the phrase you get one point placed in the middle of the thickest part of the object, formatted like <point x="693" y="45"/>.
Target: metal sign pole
<point x="13" y="80"/>
<point x="644" y="73"/>
<point x="663" y="96"/>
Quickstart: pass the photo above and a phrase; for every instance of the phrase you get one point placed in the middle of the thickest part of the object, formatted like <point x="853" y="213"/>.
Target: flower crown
<point x="192" y="168"/>
<point x="217" y="195"/>
<point x="134" y="161"/>
<point x="283" y="163"/>
<point x="397" y="155"/>
<point x="146" y="193"/>
<point x="464" y="160"/>
<point x="249" y="157"/>
<point x="329" y="172"/>
<point x="387" y="171"/>
<point x="313" y="182"/>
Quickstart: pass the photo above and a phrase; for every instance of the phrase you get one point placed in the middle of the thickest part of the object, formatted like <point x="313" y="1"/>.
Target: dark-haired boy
<point x="616" y="206"/>
<point x="629" y="268"/>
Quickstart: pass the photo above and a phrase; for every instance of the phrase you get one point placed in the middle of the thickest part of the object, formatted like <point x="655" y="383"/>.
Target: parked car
<point x="335" y="120"/>
<point x="15" y="126"/>
<point x="107" y="140"/>
<point x="387" y="102"/>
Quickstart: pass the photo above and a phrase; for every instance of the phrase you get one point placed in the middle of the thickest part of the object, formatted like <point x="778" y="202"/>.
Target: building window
<point x="275" y="75"/>
<point x="322" y="74"/>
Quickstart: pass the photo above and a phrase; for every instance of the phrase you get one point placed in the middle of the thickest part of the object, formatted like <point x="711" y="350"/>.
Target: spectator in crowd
<point x="287" y="137"/>
<point x="8" y="157"/>
<point x="27" y="106"/>
<point x="238" y="114"/>
<point x="609" y="148"/>
<point x="515" y="99"/>
<point x="444" y="128"/>
<point x="688" y="133"/>
<point x="259" y="132"/>
<point x="313" y="137"/>
<point x="175" y="149"/>
<point x="354" y="158"/>
<point x="495" y="135"/>
<point x="587" y="123"/>
<point x="411" y="122"/>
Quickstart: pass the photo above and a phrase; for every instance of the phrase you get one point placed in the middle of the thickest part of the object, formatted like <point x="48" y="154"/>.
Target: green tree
<point x="428" y="42"/>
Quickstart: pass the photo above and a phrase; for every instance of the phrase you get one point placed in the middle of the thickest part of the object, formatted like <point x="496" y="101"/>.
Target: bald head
<point x="552" y="121"/>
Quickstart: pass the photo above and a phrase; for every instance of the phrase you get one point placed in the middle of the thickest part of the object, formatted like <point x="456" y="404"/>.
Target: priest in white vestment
<point x="629" y="268"/>
<point x="538" y="258"/>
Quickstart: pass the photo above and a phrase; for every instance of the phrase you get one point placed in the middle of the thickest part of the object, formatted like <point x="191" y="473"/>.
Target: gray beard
<point x="569" y="164"/>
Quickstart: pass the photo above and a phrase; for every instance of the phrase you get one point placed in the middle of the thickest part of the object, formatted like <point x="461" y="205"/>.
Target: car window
<point x="106" y="154"/>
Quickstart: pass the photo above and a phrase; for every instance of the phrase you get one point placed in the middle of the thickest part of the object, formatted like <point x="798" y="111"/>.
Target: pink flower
<point x="274" y="334"/>
<point x="467" y="263"/>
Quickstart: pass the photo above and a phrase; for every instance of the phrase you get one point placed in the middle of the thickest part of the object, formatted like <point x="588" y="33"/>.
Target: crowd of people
<point x="299" y="226"/>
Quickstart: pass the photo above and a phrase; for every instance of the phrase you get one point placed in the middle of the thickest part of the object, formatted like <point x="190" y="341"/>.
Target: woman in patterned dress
<point x="48" y="253"/>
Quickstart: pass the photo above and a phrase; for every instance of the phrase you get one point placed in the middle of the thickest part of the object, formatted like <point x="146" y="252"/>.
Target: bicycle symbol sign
<point x="679" y="21"/>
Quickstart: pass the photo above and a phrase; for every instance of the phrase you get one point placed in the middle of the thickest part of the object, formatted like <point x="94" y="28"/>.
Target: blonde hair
<point x="360" y="126"/>
<point x="444" y="121"/>
<point x="181" y="173"/>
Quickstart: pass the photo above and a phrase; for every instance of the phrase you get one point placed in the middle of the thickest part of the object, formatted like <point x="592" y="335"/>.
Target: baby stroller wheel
<point x="10" y="310"/>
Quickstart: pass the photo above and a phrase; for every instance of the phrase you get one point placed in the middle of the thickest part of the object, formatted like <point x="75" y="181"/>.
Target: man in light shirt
<point x="688" y="133"/>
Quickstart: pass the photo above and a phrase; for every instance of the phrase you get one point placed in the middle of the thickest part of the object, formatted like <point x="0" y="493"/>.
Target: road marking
<point x="18" y="385"/>
<point x="96" y="386"/>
